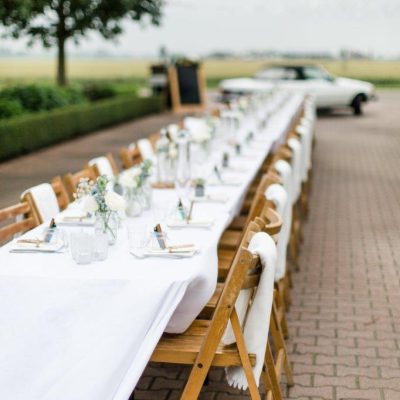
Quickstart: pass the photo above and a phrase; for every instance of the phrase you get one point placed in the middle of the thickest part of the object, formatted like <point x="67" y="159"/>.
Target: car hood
<point x="354" y="84"/>
<point x="245" y="85"/>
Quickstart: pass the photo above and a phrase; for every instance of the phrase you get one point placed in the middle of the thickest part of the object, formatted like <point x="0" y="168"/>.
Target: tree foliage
<point x="53" y="22"/>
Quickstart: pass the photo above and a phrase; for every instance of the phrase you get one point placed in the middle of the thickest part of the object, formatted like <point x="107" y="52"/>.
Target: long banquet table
<point x="87" y="332"/>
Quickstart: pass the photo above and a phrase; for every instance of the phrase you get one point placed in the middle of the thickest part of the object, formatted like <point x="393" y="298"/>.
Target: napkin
<point x="74" y="217"/>
<point x="211" y="198"/>
<point x="20" y="247"/>
<point x="192" y="223"/>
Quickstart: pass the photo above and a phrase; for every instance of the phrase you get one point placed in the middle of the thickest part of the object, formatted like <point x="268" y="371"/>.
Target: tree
<point x="53" y="22"/>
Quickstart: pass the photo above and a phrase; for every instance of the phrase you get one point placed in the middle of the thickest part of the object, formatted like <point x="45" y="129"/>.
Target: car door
<point x="323" y="87"/>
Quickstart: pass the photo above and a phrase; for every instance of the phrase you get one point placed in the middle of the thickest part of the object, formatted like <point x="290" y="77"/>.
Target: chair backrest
<point x="268" y="179"/>
<point x="244" y="263"/>
<point x="17" y="219"/>
<point x="72" y="180"/>
<point x="60" y="192"/>
<point x="269" y="220"/>
<point x="104" y="165"/>
<point x="130" y="156"/>
<point x="146" y="149"/>
<point x="43" y="200"/>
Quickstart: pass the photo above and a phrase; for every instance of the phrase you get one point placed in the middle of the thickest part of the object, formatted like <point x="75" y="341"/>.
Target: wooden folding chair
<point x="17" y="219"/>
<point x="201" y="347"/>
<point x="130" y="156"/>
<point x="71" y="180"/>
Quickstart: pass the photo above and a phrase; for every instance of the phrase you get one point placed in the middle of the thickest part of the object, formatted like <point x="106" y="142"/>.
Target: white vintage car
<point x="329" y="91"/>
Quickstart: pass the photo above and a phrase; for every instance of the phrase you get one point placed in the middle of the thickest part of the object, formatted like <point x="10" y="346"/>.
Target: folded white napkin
<point x="45" y="200"/>
<point x="211" y="198"/>
<point x="22" y="247"/>
<point x="74" y="216"/>
<point x="257" y="322"/>
<point x="103" y="165"/>
<point x="193" y="223"/>
<point x="278" y="195"/>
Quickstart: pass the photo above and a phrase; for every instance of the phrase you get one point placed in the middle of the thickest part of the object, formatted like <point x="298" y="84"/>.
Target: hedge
<point x="30" y="132"/>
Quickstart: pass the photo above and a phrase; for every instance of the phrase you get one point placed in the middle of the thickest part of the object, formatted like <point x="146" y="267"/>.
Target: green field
<point x="382" y="73"/>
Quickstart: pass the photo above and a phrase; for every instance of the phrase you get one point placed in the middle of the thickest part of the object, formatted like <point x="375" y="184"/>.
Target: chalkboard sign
<point x="187" y="87"/>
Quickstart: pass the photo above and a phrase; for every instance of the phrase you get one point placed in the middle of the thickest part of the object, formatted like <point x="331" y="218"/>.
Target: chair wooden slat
<point x="60" y="192"/>
<point x="11" y="226"/>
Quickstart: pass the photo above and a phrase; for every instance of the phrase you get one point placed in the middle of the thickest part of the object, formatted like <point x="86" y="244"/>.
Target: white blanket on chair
<point x="103" y="165"/>
<point x="45" y="200"/>
<point x="256" y="325"/>
<point x="278" y="195"/>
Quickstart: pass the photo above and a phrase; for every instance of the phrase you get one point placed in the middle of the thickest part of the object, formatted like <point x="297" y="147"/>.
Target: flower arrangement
<point x="137" y="176"/>
<point x="97" y="199"/>
<point x="84" y="188"/>
<point x="136" y="189"/>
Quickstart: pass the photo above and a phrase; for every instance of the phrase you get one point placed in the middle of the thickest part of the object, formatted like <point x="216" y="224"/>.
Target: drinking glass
<point x="138" y="237"/>
<point x="100" y="247"/>
<point x="82" y="247"/>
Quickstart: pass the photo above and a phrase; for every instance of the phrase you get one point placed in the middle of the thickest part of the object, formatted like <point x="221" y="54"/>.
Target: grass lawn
<point x="382" y="73"/>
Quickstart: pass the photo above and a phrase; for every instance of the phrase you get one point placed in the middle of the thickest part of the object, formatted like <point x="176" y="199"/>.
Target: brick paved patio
<point x="345" y="318"/>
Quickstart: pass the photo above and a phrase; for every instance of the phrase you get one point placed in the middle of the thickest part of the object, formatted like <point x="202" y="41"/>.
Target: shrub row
<point x="33" y="131"/>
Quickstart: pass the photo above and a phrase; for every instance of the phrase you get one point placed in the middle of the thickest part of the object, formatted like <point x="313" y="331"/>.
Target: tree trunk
<point x="61" y="38"/>
<point x="61" y="76"/>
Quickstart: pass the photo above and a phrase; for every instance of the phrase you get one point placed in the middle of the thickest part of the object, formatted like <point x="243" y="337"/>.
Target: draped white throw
<point x="45" y="200"/>
<point x="103" y="165"/>
<point x="146" y="149"/>
<point x="256" y="320"/>
<point x="278" y="195"/>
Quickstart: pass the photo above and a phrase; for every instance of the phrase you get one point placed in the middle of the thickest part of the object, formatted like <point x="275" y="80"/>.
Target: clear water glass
<point x="81" y="244"/>
<point x="138" y="237"/>
<point x="100" y="247"/>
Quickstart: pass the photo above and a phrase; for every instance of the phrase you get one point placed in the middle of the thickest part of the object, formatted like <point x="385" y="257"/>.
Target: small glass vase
<point x="108" y="223"/>
<point x="134" y="203"/>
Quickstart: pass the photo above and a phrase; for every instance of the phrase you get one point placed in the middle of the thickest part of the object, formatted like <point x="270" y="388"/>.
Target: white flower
<point x="114" y="201"/>
<point x="201" y="136"/>
<point x="129" y="178"/>
<point x="89" y="204"/>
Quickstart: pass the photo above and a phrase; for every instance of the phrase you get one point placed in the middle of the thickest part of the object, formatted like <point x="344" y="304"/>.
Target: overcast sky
<point x="199" y="26"/>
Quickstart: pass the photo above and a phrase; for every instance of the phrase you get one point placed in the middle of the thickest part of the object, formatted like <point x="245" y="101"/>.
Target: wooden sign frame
<point x="177" y="106"/>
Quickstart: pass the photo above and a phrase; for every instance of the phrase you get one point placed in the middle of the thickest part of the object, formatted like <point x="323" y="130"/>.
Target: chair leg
<point x="286" y="293"/>
<point x="281" y="309"/>
<point x="280" y="345"/>
<point x="271" y="371"/>
<point x="244" y="357"/>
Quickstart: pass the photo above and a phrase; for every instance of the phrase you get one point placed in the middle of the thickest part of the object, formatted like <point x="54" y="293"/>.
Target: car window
<point x="277" y="73"/>
<point x="315" y="73"/>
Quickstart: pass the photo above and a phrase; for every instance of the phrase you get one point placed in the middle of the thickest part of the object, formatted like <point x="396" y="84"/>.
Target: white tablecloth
<point x="71" y="332"/>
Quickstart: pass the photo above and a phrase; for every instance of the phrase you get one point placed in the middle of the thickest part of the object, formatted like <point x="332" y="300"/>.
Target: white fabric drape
<point x="278" y="195"/>
<point x="146" y="150"/>
<point x="45" y="200"/>
<point x="256" y="320"/>
<point x="103" y="165"/>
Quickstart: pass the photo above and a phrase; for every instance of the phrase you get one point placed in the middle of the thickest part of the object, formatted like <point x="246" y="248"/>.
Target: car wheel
<point x="357" y="104"/>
